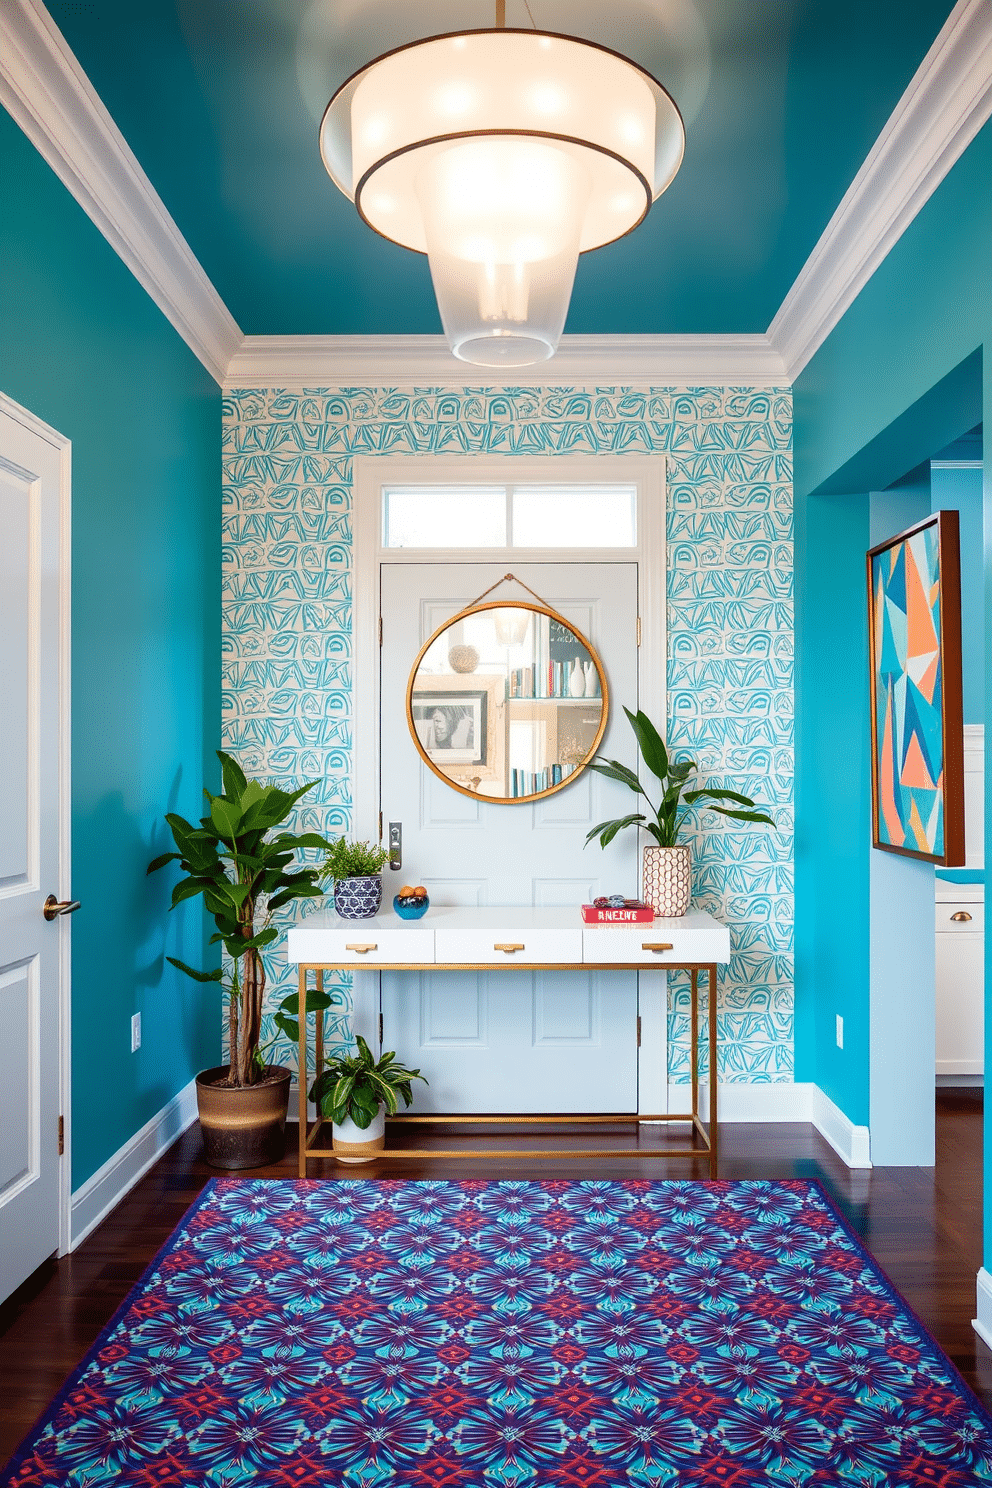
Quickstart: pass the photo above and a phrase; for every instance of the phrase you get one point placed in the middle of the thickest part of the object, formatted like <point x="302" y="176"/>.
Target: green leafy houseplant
<point x="665" y="821"/>
<point x="243" y="872"/>
<point x="353" y="860"/>
<point x="353" y="1086"/>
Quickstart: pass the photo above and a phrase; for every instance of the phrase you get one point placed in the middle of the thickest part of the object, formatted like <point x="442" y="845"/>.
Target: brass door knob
<point x="53" y="907"/>
<point x="962" y="914"/>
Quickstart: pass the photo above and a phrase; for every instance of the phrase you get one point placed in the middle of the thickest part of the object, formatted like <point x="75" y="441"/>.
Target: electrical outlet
<point x="135" y="1032"/>
<point x="840" y="1031"/>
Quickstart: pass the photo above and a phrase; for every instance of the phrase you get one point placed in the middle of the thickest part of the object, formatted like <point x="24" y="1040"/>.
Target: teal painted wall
<point x="898" y="379"/>
<point x="84" y="348"/>
<point x="833" y="787"/>
<point x="960" y="489"/>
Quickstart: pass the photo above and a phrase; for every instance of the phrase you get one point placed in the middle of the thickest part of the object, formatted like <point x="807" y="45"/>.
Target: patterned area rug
<point x="445" y="1335"/>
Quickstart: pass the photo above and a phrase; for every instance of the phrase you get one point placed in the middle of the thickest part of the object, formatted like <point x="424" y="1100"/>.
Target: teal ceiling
<point x="220" y="100"/>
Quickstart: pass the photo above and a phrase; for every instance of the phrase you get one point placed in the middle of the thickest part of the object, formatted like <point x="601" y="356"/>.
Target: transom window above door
<point x="530" y="515"/>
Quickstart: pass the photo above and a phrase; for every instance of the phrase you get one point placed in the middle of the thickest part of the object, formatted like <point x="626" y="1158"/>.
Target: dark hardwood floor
<point x="923" y="1225"/>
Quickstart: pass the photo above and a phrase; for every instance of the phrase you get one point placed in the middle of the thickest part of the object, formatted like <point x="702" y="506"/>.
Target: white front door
<point x="33" y="465"/>
<point x="511" y="1041"/>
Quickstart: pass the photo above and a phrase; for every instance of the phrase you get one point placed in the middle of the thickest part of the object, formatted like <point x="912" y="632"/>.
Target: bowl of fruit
<point x="410" y="903"/>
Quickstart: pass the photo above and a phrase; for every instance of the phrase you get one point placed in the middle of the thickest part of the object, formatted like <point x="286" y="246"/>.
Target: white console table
<point x="526" y="939"/>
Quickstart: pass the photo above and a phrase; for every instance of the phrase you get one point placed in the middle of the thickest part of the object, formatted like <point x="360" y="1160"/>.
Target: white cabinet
<point x="960" y="926"/>
<point x="960" y="941"/>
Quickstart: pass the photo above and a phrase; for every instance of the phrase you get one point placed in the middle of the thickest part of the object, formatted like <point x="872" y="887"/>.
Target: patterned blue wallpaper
<point x="287" y="626"/>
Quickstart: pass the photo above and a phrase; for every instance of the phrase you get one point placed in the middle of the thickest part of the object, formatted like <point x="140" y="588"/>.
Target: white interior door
<point x="33" y="465"/>
<point x="511" y="1041"/>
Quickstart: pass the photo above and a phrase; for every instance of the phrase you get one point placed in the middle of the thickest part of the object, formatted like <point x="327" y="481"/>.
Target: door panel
<point x="30" y="511"/>
<point x="504" y="1041"/>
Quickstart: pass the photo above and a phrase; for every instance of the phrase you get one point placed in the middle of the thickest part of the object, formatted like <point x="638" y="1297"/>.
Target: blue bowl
<point x="411" y="911"/>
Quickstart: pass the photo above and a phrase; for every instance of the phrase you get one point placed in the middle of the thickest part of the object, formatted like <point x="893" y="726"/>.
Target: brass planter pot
<point x="243" y="1128"/>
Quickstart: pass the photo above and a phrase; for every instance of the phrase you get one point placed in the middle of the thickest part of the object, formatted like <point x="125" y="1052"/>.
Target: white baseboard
<point x="850" y="1142"/>
<point x="781" y="1101"/>
<point x="93" y="1200"/>
<point x="785" y="1101"/>
<point x="982" y="1324"/>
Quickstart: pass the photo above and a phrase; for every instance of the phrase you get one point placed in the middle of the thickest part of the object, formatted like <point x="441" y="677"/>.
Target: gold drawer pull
<point x="363" y="950"/>
<point x="656" y="946"/>
<point x="962" y="914"/>
<point x="509" y="947"/>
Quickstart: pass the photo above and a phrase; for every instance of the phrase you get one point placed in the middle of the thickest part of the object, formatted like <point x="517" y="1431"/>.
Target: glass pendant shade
<point x="502" y="155"/>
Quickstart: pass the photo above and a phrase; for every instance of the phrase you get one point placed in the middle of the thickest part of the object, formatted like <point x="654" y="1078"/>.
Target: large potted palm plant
<point x="239" y="860"/>
<point x="667" y="873"/>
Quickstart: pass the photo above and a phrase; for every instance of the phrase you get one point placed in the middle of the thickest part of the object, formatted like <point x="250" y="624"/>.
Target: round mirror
<point x="507" y="701"/>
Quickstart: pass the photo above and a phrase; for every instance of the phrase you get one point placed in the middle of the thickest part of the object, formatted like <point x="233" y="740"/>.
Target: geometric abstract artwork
<point x="917" y="736"/>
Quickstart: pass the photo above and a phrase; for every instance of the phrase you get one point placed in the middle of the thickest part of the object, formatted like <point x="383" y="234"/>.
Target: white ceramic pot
<point x="355" y="1144"/>
<point x="668" y="880"/>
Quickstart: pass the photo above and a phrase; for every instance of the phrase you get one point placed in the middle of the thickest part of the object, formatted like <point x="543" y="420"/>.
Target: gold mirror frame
<point x="604" y="698"/>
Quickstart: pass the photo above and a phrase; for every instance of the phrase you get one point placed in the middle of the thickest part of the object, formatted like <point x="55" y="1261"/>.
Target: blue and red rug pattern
<point x="549" y="1335"/>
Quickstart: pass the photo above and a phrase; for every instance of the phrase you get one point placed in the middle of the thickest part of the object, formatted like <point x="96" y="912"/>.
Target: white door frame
<point x="63" y="888"/>
<point x="369" y="474"/>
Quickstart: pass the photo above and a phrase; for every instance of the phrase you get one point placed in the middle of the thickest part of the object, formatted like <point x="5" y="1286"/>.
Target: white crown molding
<point x="581" y="361"/>
<point x="47" y="93"/>
<point x="945" y="105"/>
<point x="938" y="116"/>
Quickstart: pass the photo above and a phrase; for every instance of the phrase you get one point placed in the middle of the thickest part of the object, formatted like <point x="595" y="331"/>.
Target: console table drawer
<point x="504" y="947"/>
<point x="651" y="944"/>
<point x="365" y="944"/>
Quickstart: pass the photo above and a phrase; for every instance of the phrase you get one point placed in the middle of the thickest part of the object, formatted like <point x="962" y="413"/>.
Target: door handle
<point x="962" y="914"/>
<point x="53" y="907"/>
<point x="509" y="947"/>
<point x="662" y="945"/>
<point x="363" y="950"/>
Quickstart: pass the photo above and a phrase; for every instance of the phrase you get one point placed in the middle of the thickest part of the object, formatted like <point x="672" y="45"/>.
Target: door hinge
<point x="638" y="1030"/>
<point x="380" y="630"/>
<point x="380" y="1030"/>
<point x="638" y="630"/>
<point x="61" y="1136"/>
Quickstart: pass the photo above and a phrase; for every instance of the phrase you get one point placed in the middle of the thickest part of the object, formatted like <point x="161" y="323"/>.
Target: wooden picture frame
<point x="914" y="657"/>
<point x="485" y="761"/>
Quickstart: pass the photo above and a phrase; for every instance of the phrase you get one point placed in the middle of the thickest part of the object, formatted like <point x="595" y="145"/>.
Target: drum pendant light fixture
<point x="502" y="154"/>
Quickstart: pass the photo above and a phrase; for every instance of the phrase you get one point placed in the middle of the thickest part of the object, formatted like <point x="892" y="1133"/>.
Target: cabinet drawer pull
<point x="653" y="945"/>
<point x="509" y="947"/>
<point x="363" y="950"/>
<point x="962" y="914"/>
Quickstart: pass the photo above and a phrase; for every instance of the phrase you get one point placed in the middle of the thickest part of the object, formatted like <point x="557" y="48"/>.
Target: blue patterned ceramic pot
<point x="358" y="898"/>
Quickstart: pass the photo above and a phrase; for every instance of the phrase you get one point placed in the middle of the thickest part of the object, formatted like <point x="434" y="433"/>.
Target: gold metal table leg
<point x="714" y="1082"/>
<point x="301" y="1074"/>
<point x="694" y="1040"/>
<point x="319" y="1023"/>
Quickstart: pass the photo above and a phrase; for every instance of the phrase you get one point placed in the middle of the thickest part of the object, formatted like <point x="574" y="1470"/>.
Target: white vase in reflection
<point x="577" y="681"/>
<point x="592" y="681"/>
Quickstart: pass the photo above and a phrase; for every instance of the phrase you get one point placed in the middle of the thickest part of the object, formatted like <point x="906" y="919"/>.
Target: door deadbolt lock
<point x="396" y="845"/>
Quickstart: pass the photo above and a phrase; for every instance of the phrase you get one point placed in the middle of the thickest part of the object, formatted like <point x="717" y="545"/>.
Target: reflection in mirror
<point x="507" y="701"/>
